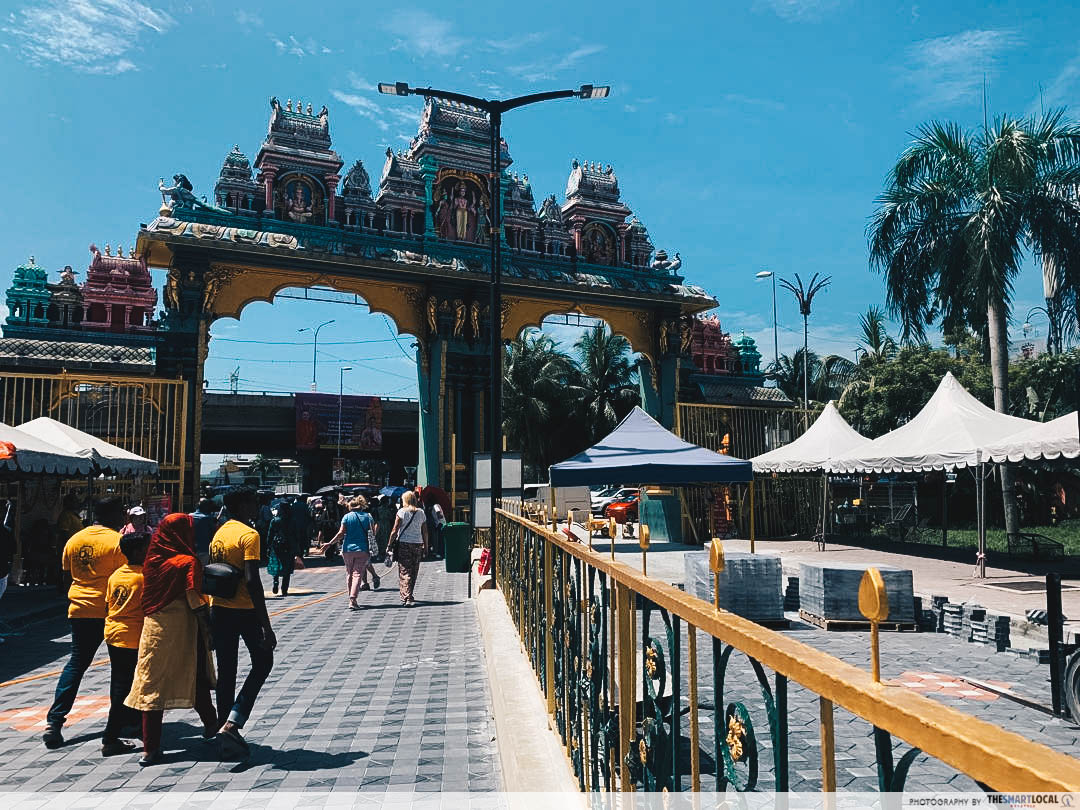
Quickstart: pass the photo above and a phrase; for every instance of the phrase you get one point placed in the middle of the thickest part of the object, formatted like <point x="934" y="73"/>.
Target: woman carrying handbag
<point x="409" y="545"/>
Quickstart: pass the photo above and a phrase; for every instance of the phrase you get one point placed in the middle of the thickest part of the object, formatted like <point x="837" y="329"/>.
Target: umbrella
<point x="393" y="493"/>
<point x="431" y="494"/>
<point x="25" y="453"/>
<point x="105" y="457"/>
<point x="326" y="490"/>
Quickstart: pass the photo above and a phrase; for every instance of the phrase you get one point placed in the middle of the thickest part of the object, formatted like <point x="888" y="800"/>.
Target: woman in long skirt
<point x="175" y="669"/>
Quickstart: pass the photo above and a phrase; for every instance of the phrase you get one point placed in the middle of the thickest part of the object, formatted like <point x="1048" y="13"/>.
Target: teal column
<point x="430" y="377"/>
<point x="668" y="394"/>
<point x="650" y="399"/>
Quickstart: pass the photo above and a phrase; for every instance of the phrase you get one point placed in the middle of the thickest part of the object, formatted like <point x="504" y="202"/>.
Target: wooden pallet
<point x="849" y="624"/>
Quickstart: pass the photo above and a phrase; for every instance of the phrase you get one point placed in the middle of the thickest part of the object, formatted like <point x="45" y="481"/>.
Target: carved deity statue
<point x="459" y="318"/>
<point x="686" y="333"/>
<point x="182" y="194"/>
<point x="432" y="314"/>
<point x="297" y="208"/>
<point x="474" y="318"/>
<point x="663" y="338"/>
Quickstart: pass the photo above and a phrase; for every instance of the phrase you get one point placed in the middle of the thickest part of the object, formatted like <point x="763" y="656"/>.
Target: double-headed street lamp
<point x="775" y="335"/>
<point x="315" y="350"/>
<point x="495" y="109"/>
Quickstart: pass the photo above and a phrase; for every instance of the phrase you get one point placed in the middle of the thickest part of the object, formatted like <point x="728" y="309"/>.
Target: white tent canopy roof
<point x="829" y="437"/>
<point x="99" y="454"/>
<point x="34" y="455"/>
<point x="1049" y="440"/>
<point x="952" y="430"/>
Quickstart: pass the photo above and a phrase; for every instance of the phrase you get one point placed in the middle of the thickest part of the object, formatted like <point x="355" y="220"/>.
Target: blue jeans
<point x="228" y="626"/>
<point x="86" y="637"/>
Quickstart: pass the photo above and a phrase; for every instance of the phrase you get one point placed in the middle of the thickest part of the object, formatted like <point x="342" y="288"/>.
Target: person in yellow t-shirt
<point x="242" y="616"/>
<point x="123" y="626"/>
<point x="90" y="557"/>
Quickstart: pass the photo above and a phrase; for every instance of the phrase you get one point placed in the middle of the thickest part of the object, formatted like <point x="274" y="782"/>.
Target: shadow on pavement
<point x="297" y="759"/>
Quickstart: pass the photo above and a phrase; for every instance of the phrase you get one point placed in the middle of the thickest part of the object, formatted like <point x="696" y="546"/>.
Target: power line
<point x="303" y="342"/>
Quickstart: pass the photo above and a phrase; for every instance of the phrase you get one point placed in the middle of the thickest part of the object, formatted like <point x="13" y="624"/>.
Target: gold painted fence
<point x="607" y="645"/>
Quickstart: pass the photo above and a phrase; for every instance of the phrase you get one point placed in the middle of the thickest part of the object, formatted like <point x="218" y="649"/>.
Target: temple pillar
<point x="127" y="317"/>
<point x="268" y="185"/>
<point x="430" y="369"/>
<point x="659" y="388"/>
<point x="181" y="353"/>
<point x="331" y="181"/>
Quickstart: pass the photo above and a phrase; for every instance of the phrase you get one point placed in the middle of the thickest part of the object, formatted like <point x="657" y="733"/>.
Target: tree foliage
<point x="1045" y="387"/>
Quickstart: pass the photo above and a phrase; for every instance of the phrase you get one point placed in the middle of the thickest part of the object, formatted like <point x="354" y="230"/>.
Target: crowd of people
<point x="173" y="602"/>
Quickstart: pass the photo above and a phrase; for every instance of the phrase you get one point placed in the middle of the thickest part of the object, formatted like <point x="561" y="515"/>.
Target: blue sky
<point x="745" y="135"/>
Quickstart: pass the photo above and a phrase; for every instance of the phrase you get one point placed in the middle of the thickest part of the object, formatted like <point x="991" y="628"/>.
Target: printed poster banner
<point x="317" y="422"/>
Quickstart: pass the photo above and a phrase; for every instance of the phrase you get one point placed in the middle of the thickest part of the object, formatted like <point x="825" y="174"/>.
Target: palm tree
<point x="606" y="383"/>
<point x="263" y="467"/>
<point x="536" y="402"/>
<point x="827" y="377"/>
<point x="805" y="297"/>
<point x="958" y="215"/>
<point x="875" y="340"/>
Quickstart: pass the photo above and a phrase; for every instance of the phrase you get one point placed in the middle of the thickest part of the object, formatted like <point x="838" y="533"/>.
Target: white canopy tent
<point x="21" y="452"/>
<point x="1042" y="440"/>
<point x="101" y="456"/>
<point x="828" y="438"/>
<point x="952" y="430"/>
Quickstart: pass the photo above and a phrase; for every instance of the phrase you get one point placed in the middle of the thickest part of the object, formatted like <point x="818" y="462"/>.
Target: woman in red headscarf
<point x="175" y="669"/>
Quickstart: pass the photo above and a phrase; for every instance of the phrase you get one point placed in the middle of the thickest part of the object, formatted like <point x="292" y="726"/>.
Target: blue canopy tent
<point x="641" y="451"/>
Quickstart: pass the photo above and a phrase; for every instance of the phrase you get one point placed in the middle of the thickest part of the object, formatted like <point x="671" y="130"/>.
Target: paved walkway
<point x="385" y="698"/>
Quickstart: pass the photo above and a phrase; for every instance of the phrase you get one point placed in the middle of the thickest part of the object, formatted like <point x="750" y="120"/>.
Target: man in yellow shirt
<point x="123" y="626"/>
<point x="241" y="616"/>
<point x="90" y="556"/>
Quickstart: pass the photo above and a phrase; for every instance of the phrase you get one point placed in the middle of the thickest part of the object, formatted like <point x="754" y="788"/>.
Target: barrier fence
<point x="613" y="650"/>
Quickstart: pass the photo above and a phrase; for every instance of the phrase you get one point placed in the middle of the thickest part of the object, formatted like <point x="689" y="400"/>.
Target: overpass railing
<point x="613" y="651"/>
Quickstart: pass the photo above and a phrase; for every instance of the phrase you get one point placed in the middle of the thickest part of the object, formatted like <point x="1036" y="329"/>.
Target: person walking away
<point x="174" y="669"/>
<point x="384" y="519"/>
<point x="241" y="616"/>
<point x="354" y="535"/>
<point x="90" y="556"/>
<point x="438" y="518"/>
<point x="301" y="517"/>
<point x="204" y="519"/>
<point x="409" y="538"/>
<point x="284" y="548"/>
<point x="263" y="518"/>
<point x="123" y="627"/>
<point x="69" y="522"/>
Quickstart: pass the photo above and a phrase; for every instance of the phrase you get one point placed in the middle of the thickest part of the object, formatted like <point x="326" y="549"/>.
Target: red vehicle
<point x="624" y="511"/>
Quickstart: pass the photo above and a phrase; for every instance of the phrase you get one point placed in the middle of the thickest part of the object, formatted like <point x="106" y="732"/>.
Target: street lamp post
<point x="495" y="109"/>
<point x="315" y="350"/>
<point x="775" y="334"/>
<point x="340" y="391"/>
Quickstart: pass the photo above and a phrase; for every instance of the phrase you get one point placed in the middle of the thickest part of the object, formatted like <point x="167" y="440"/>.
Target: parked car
<point x="619" y="494"/>
<point x="624" y="511"/>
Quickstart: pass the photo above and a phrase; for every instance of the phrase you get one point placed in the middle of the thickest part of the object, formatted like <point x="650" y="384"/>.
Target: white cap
<point x="136" y="510"/>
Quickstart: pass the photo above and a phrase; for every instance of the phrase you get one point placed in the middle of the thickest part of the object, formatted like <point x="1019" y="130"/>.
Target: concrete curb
<point x="531" y="754"/>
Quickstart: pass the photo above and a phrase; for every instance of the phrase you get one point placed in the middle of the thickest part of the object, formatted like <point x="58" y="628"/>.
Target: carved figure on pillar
<point x="459" y="318"/>
<point x="474" y="318"/>
<point x="432" y="315"/>
<point x="686" y="333"/>
<point x="663" y="338"/>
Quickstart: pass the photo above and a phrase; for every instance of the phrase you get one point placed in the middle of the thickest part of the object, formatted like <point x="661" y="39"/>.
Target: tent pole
<point x="981" y="566"/>
<point x="752" y="536"/>
<point x="824" y="505"/>
<point x="944" y="508"/>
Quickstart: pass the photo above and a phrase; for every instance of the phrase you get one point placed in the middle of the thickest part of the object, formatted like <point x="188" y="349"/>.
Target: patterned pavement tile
<point x="362" y="700"/>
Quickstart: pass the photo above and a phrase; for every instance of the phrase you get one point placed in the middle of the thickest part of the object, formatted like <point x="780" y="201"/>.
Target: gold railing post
<point x="695" y="753"/>
<point x="828" y="747"/>
<point x="627" y="690"/>
<point x="549" y="638"/>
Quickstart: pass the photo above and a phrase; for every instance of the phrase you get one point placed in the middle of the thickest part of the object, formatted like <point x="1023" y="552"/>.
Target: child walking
<point x="123" y="627"/>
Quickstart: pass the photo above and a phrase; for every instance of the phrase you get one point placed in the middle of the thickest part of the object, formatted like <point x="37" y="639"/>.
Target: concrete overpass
<point x="266" y="423"/>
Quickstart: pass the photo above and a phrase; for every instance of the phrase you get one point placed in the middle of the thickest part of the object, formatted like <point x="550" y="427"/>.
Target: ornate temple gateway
<point x="413" y="247"/>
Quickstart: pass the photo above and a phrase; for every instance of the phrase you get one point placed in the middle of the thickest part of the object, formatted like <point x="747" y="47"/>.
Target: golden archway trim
<point x="230" y="288"/>
<point x="635" y="325"/>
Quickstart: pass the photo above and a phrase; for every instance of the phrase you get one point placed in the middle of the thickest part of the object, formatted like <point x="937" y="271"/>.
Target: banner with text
<point x="317" y="425"/>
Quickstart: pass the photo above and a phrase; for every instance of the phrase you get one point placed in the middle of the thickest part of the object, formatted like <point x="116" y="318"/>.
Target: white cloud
<point x="359" y="82"/>
<point x="92" y="36"/>
<point x="514" y="43"/>
<point x="949" y="70"/>
<point x="364" y="107"/>
<point x="798" y="10"/>
<point x="1062" y="89"/>
<point x="423" y="34"/>
<point x="297" y="48"/>
<point x="540" y="71"/>
<point x="248" y="19"/>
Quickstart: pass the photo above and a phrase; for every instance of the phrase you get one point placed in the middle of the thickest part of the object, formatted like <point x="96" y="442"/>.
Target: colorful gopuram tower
<point x="28" y="296"/>
<point x="118" y="295"/>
